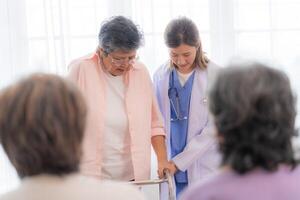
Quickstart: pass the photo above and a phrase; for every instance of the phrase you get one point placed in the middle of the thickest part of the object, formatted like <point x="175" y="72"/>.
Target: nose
<point x="125" y="65"/>
<point x="180" y="60"/>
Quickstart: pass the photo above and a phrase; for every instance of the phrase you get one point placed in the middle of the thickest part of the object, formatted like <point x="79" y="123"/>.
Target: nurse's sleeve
<point x="196" y="147"/>
<point x="202" y="142"/>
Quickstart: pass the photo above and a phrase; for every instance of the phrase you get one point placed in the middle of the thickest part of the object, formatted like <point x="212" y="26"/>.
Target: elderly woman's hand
<point x="161" y="165"/>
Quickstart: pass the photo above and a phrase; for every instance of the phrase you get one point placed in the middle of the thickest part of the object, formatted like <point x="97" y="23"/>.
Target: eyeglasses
<point x="121" y="61"/>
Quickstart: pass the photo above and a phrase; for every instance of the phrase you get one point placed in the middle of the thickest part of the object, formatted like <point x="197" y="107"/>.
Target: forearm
<point x="159" y="146"/>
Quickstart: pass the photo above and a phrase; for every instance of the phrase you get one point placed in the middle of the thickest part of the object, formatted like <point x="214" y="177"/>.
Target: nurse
<point x="181" y="88"/>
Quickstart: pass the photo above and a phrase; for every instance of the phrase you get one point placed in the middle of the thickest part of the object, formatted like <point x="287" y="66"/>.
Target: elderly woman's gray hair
<point x="254" y="112"/>
<point x="119" y="33"/>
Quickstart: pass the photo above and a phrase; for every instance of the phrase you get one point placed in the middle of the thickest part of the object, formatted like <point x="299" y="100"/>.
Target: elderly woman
<point x="123" y="115"/>
<point x="42" y="119"/>
<point x="254" y="111"/>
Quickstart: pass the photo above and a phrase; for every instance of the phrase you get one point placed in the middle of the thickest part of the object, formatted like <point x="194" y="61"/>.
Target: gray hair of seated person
<point x="42" y="120"/>
<point x="254" y="111"/>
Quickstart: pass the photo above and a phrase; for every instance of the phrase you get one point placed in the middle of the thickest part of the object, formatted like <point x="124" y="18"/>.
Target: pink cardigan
<point x="144" y="117"/>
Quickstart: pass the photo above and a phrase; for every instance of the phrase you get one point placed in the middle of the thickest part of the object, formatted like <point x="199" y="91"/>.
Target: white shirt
<point x="184" y="77"/>
<point x="116" y="163"/>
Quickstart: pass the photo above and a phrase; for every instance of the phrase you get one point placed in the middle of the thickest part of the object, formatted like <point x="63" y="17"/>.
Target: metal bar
<point x="170" y="185"/>
<point x="149" y="182"/>
<point x="168" y="179"/>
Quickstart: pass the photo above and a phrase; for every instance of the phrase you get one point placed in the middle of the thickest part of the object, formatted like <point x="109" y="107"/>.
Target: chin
<point x="185" y="68"/>
<point x="119" y="73"/>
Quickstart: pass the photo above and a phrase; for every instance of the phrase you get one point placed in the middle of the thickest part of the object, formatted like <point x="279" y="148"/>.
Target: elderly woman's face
<point x="118" y="62"/>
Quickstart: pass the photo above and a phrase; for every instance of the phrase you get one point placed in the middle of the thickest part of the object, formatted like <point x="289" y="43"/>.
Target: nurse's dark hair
<point x="42" y="120"/>
<point x="254" y="111"/>
<point x="184" y="31"/>
<point x="119" y="33"/>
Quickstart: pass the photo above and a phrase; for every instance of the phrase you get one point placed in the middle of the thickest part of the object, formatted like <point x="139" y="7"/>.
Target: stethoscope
<point x="173" y="92"/>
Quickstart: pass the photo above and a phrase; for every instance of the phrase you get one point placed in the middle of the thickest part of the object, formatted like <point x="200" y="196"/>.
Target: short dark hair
<point x="42" y="120"/>
<point x="119" y="33"/>
<point x="254" y="112"/>
<point x="184" y="31"/>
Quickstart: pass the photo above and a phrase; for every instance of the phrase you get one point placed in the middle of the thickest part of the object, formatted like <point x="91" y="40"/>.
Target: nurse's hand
<point x="163" y="164"/>
<point x="173" y="168"/>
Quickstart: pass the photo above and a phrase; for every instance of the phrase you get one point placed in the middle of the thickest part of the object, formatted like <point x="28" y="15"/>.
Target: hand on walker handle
<point x="162" y="165"/>
<point x="166" y="165"/>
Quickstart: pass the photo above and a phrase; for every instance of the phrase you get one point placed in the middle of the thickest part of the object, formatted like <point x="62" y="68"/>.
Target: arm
<point x="158" y="140"/>
<point x="201" y="143"/>
<point x="76" y="75"/>
<point x="196" y="148"/>
<point x="158" y="143"/>
<point x="73" y="74"/>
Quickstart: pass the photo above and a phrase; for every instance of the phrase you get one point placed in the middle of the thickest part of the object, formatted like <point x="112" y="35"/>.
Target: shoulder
<point x="212" y="73"/>
<point x="213" y="65"/>
<point x="140" y="67"/>
<point x="140" y="72"/>
<point x="74" y="187"/>
<point x="286" y="172"/>
<point x="9" y="196"/>
<point x="162" y="71"/>
<point x="213" y="68"/>
<point x="83" y="62"/>
<point x="82" y="66"/>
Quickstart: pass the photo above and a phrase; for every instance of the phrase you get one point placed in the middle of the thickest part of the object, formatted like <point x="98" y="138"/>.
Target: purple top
<point x="283" y="184"/>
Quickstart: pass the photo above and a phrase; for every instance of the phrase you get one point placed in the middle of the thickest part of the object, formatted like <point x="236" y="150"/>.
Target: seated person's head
<point x="254" y="113"/>
<point x="42" y="121"/>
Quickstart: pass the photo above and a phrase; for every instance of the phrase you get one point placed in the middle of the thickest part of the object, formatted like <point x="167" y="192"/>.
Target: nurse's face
<point x="183" y="57"/>
<point x="119" y="62"/>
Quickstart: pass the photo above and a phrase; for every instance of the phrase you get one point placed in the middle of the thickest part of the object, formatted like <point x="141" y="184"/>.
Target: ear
<point x="101" y="52"/>
<point x="220" y="138"/>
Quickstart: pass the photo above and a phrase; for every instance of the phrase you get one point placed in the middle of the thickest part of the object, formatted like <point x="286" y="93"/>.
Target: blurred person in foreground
<point x="42" y="120"/>
<point x="254" y="112"/>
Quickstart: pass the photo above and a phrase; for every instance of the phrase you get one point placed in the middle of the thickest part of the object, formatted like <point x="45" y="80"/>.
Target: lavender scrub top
<point x="283" y="184"/>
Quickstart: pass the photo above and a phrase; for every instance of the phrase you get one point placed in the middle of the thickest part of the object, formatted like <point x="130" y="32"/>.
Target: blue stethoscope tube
<point x="175" y="105"/>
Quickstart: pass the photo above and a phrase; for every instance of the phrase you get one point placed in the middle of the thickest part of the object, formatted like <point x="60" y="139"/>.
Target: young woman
<point x="181" y="87"/>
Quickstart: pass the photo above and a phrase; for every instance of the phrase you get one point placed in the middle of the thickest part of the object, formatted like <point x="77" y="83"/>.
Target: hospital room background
<point x="45" y="35"/>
